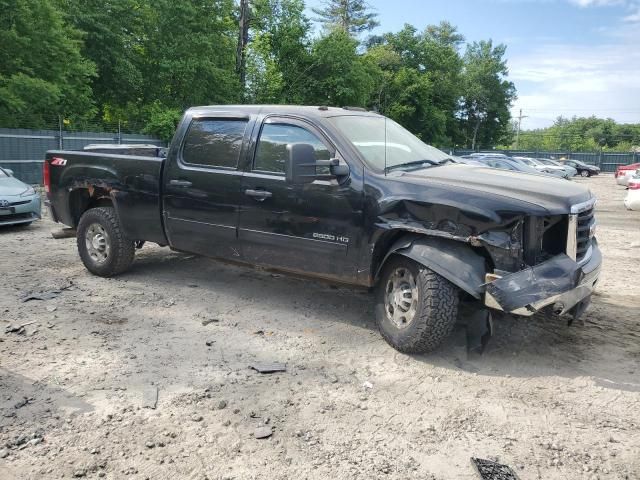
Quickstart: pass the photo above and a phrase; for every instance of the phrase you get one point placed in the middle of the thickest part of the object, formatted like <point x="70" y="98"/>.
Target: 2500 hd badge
<point x="260" y="184"/>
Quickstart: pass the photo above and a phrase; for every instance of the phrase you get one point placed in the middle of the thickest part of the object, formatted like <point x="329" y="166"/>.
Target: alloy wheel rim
<point x="97" y="242"/>
<point x="401" y="298"/>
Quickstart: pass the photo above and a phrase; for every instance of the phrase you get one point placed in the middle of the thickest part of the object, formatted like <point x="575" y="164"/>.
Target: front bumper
<point x="559" y="282"/>
<point x="18" y="212"/>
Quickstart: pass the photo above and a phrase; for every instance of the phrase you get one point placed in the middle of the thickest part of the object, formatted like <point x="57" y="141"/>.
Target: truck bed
<point x="131" y="183"/>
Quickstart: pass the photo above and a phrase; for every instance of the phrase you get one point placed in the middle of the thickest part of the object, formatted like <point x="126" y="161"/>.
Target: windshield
<point x="546" y="161"/>
<point x="3" y="174"/>
<point x="527" y="161"/>
<point x="367" y="134"/>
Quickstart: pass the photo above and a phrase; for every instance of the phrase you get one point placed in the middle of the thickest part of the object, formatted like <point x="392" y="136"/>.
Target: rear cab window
<point x="214" y="142"/>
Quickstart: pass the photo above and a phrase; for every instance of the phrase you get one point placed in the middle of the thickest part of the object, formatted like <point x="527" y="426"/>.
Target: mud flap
<point x="478" y="324"/>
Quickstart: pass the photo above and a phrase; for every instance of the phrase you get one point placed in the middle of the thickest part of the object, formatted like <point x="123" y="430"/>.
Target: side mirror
<point x="9" y="172"/>
<point x="302" y="166"/>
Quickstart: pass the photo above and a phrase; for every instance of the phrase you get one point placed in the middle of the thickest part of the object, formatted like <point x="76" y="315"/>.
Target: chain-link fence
<point x="22" y="150"/>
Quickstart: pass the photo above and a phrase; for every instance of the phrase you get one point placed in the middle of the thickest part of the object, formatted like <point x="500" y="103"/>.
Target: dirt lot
<point x="552" y="401"/>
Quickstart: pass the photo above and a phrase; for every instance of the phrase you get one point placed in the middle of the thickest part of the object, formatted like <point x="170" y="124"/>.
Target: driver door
<point x="312" y="228"/>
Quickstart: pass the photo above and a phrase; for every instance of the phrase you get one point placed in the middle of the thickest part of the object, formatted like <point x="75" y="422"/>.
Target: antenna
<point x="385" y="146"/>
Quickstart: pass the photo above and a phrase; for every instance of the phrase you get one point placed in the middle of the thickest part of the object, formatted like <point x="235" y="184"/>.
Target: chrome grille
<point x="581" y="223"/>
<point x="583" y="237"/>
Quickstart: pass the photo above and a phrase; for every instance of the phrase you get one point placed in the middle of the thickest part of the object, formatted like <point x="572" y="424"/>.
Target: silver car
<point x="19" y="202"/>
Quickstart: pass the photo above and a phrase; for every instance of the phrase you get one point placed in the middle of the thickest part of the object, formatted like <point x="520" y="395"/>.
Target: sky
<point x="566" y="57"/>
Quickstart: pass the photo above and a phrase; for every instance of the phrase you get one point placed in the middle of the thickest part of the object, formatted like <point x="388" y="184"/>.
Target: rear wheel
<point x="585" y="173"/>
<point x="416" y="309"/>
<point x="103" y="247"/>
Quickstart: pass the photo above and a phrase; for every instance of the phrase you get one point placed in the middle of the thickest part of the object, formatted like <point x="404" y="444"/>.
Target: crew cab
<point x="342" y="195"/>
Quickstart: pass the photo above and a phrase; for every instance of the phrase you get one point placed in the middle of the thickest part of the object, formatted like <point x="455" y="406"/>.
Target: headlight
<point x="29" y="192"/>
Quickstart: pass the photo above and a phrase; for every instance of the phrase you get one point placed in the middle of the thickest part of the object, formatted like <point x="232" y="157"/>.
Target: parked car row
<point x="520" y="164"/>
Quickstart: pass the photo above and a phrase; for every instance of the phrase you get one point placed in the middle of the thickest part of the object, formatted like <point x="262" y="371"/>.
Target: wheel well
<point x="382" y="246"/>
<point x="82" y="199"/>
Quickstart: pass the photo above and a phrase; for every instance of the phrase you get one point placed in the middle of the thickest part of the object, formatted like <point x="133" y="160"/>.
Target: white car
<point x="541" y="167"/>
<point x="632" y="200"/>
<point x="553" y="164"/>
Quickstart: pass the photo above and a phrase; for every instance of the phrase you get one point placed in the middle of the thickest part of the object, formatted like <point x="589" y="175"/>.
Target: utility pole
<point x="243" y="41"/>
<point x="520" y="117"/>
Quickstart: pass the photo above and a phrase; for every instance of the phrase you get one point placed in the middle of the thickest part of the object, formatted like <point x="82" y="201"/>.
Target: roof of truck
<point x="310" y="111"/>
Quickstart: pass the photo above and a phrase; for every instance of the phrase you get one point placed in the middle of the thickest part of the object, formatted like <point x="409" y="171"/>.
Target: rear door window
<point x="214" y="142"/>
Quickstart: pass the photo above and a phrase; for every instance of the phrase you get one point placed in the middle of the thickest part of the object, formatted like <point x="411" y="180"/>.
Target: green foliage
<point x="42" y="72"/>
<point x="337" y="75"/>
<point x="140" y="63"/>
<point x="487" y="95"/>
<point x="162" y="121"/>
<point x="278" y="54"/>
<point x="351" y="16"/>
<point x="582" y="134"/>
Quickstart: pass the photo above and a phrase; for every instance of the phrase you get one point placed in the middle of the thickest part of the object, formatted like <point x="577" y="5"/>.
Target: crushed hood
<point x="554" y="194"/>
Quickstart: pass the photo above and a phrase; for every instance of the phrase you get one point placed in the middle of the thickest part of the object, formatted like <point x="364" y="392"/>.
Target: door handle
<point x="180" y="183"/>
<point x="259" y="195"/>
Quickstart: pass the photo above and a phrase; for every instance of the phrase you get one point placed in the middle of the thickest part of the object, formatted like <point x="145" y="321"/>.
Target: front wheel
<point x="416" y="309"/>
<point x="585" y="173"/>
<point x="103" y="247"/>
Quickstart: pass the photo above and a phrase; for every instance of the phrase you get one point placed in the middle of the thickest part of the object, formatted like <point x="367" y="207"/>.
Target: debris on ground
<point x="46" y="294"/>
<point x="269" y="367"/>
<point x="63" y="233"/>
<point x="207" y="321"/>
<point x="18" y="329"/>
<point x="150" y="397"/>
<point x="263" y="432"/>
<point x="489" y="470"/>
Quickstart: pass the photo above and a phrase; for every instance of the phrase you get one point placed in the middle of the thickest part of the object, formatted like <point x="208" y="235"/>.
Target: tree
<point x="189" y="54"/>
<point x="114" y="33"/>
<point x="487" y="95"/>
<point x="278" y="56"/>
<point x="42" y="72"/>
<point x="583" y="134"/>
<point x="350" y="16"/>
<point x="338" y="75"/>
<point x="420" y="81"/>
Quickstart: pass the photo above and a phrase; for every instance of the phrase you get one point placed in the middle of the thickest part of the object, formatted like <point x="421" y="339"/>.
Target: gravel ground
<point x="78" y="382"/>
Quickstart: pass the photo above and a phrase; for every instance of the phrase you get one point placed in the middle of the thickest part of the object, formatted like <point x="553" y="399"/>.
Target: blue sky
<point x="566" y="57"/>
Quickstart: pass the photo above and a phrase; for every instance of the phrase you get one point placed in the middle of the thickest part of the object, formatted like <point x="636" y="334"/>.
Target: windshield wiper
<point x="415" y="163"/>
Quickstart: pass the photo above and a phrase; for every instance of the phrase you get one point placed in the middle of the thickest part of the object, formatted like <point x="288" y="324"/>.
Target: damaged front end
<point x="561" y="263"/>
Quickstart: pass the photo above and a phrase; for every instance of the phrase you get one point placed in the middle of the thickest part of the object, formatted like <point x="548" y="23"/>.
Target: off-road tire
<point x="436" y="313"/>
<point x="585" y="173"/>
<point x="122" y="249"/>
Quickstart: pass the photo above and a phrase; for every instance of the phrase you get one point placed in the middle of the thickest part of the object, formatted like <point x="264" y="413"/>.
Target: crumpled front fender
<point x="453" y="260"/>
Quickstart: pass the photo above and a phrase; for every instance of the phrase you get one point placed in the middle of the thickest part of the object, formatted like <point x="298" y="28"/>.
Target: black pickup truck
<point x="344" y="195"/>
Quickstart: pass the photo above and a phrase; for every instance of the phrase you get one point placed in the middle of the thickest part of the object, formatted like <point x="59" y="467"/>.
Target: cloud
<point x="632" y="6"/>
<point x="633" y="17"/>
<point x="598" y="3"/>
<point x="579" y="80"/>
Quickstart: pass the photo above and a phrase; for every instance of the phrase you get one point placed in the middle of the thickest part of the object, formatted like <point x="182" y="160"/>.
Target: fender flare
<point x="451" y="259"/>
